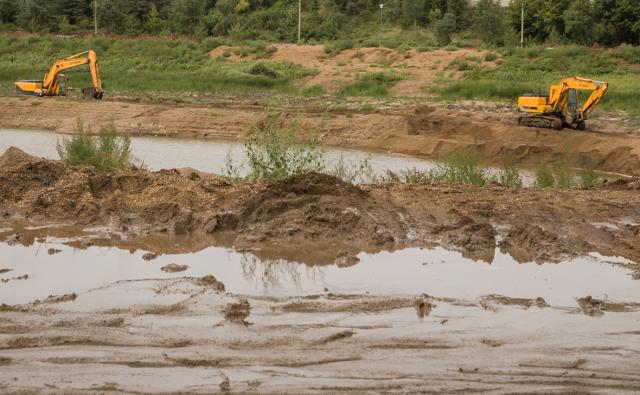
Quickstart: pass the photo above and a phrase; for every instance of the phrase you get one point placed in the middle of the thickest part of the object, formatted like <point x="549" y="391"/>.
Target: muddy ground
<point x="315" y="209"/>
<point x="399" y="126"/>
<point x="189" y="334"/>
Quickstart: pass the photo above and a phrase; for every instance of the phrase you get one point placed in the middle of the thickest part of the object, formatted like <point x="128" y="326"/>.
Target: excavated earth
<point x="316" y="209"/>
<point x="190" y="334"/>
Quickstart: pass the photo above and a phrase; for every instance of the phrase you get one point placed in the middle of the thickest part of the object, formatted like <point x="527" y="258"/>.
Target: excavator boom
<point x="560" y="108"/>
<point x="54" y="82"/>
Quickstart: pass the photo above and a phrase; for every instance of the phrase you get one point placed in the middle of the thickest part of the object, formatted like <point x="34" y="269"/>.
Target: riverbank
<point x="429" y="132"/>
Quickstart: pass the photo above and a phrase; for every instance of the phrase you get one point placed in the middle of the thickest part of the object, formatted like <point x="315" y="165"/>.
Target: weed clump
<point x="463" y="167"/>
<point x="275" y="151"/>
<point x="106" y="152"/>
<point x="372" y="84"/>
<point x="544" y="177"/>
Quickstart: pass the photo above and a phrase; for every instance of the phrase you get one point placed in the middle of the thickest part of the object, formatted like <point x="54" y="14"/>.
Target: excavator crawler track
<point x="540" y="121"/>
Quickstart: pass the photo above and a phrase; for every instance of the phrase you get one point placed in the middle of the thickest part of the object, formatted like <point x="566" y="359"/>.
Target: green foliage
<point x="372" y="84"/>
<point x="444" y="28"/>
<point x="509" y="176"/>
<point x="490" y="57"/>
<point x="313" y="91"/>
<point x="488" y="21"/>
<point x="107" y="152"/>
<point x="463" y="167"/>
<point x="544" y="177"/>
<point x="361" y="172"/>
<point x="562" y="172"/>
<point x="588" y="175"/>
<point x="275" y="150"/>
<point x="148" y="64"/>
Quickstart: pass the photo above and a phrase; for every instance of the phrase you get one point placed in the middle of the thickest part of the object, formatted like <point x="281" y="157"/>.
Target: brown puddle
<point x="82" y="263"/>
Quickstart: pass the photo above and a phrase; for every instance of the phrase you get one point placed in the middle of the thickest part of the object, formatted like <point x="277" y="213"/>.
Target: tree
<point x="578" y="24"/>
<point x="488" y="21"/>
<point x="154" y="23"/>
<point x="444" y="28"/>
<point x="458" y="8"/>
<point x="184" y="15"/>
<point x="32" y="15"/>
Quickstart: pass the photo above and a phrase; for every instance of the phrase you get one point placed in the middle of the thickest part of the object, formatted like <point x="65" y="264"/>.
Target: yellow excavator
<point x="561" y="107"/>
<point x="55" y="83"/>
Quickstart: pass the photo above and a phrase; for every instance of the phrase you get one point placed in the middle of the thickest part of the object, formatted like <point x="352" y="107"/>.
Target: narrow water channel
<point x="205" y="155"/>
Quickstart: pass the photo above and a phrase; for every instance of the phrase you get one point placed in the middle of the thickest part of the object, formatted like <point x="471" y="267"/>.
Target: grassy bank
<point x="534" y="69"/>
<point x="152" y="64"/>
<point x="147" y="64"/>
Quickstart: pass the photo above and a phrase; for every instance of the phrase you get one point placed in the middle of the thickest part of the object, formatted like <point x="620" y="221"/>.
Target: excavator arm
<point x="558" y="94"/>
<point x="50" y="85"/>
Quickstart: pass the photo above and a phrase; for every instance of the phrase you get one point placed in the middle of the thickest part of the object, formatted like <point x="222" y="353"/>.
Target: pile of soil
<point x="323" y="212"/>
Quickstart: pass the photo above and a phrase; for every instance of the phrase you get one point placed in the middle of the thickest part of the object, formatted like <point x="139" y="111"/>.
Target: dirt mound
<point x="14" y="156"/>
<point x="321" y="211"/>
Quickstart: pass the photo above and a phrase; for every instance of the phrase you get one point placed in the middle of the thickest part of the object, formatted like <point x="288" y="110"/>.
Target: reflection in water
<point x="411" y="271"/>
<point x="277" y="274"/>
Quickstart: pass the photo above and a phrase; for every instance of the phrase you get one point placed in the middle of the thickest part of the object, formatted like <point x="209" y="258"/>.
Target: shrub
<point x="353" y="172"/>
<point x="463" y="167"/>
<point x="372" y="84"/>
<point x="588" y="175"/>
<point x="509" y="176"/>
<point x="313" y="91"/>
<point x="444" y="28"/>
<point x="106" y="152"/>
<point x="275" y="150"/>
<point x="490" y="57"/>
<point x="544" y="178"/>
<point x="562" y="171"/>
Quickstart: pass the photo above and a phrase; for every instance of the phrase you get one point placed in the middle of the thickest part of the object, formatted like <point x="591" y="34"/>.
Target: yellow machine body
<point x="561" y="107"/>
<point x="54" y="82"/>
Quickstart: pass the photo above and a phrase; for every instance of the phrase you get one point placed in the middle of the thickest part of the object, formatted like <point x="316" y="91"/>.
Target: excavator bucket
<point x="92" y="93"/>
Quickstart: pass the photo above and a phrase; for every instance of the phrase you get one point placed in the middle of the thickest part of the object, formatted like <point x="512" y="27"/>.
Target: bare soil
<point x="337" y="218"/>
<point x="397" y="126"/>
<point x="419" y="69"/>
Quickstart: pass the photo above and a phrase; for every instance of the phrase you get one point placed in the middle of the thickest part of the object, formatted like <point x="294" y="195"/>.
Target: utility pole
<point x="381" y="8"/>
<point x="522" y="25"/>
<point x="299" y="19"/>
<point x="95" y="17"/>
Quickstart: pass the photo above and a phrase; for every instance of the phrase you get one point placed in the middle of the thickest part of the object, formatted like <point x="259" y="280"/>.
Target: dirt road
<point x="426" y="131"/>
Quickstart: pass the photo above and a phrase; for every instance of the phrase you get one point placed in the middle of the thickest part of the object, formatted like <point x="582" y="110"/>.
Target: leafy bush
<point x="588" y="175"/>
<point x="544" y="178"/>
<point x="107" y="152"/>
<point x="509" y="176"/>
<point x="444" y="28"/>
<point x="463" y="167"/>
<point x="490" y="56"/>
<point x="372" y="84"/>
<point x="275" y="150"/>
<point x="313" y="91"/>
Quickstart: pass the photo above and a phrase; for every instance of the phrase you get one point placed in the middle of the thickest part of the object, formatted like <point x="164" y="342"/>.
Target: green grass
<point x="372" y="84"/>
<point x="534" y="69"/>
<point x="106" y="152"/>
<point x="147" y="64"/>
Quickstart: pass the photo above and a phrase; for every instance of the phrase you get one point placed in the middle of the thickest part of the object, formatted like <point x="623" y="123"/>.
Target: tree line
<point x="587" y="22"/>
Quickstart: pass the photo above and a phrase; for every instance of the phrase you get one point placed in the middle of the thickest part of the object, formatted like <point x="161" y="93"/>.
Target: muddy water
<point x="205" y="155"/>
<point x="437" y="272"/>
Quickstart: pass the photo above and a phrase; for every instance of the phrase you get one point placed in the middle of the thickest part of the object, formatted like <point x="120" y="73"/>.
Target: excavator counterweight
<point x="54" y="82"/>
<point x="561" y="107"/>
